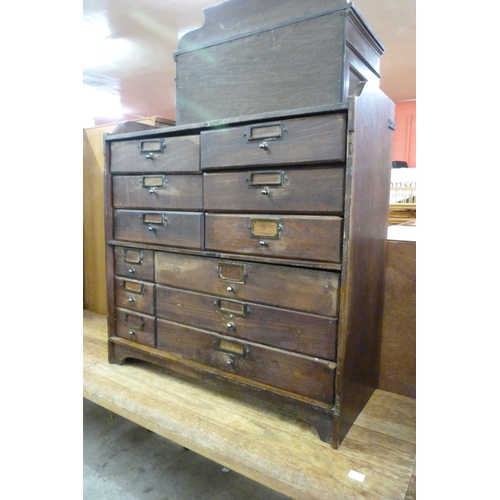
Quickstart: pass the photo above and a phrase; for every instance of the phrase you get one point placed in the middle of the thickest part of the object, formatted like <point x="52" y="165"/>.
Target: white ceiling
<point x="129" y="70"/>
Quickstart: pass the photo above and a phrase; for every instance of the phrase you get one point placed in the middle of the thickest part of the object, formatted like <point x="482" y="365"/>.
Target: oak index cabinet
<point x="250" y="250"/>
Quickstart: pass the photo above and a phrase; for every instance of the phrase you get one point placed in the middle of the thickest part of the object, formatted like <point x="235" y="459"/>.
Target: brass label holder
<point x="267" y="131"/>
<point x="258" y="180"/>
<point x="132" y="321"/>
<point x="133" y="287"/>
<point x="232" y="273"/>
<point x="231" y="307"/>
<point x="152" y="146"/>
<point x="132" y="256"/>
<point x="265" y="228"/>
<point x="231" y="347"/>
<point x="153" y="181"/>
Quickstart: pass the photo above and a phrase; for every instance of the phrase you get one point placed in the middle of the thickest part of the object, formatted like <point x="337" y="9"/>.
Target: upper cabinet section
<point x="259" y="57"/>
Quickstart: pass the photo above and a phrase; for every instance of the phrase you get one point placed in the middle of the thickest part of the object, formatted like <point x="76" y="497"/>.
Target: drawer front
<point x="289" y="330"/>
<point x="176" y="229"/>
<point x="310" y="290"/>
<point x="297" y="141"/>
<point x="159" y="191"/>
<point x="135" y="295"/>
<point x="291" y="372"/>
<point x="310" y="190"/>
<point x="315" y="238"/>
<point x="166" y="154"/>
<point x="134" y="263"/>
<point x="136" y="327"/>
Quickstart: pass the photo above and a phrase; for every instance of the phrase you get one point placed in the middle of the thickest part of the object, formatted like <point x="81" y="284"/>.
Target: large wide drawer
<point x="177" y="229"/>
<point x="304" y="190"/>
<point x="159" y="191"/>
<point x="288" y="142"/>
<point x="134" y="263"/>
<point x="291" y="372"/>
<point x="165" y="154"/>
<point x="313" y="238"/>
<point x="309" y="290"/>
<point x="135" y="295"/>
<point x="136" y="327"/>
<point x="281" y="328"/>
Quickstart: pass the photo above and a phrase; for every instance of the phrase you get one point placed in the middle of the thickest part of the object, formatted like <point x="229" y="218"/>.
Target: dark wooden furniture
<point x="250" y="250"/>
<point x="397" y="371"/>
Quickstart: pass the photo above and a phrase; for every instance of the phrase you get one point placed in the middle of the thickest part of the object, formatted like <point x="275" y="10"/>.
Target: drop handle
<point x="263" y="145"/>
<point x="230" y="289"/>
<point x="265" y="191"/>
<point x="152" y="191"/>
<point x="131" y="300"/>
<point x="230" y="326"/>
<point x="263" y="243"/>
<point x="150" y="156"/>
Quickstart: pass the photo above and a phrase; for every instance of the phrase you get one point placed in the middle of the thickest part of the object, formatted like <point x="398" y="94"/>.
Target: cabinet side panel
<point x="367" y="182"/>
<point x="108" y="216"/>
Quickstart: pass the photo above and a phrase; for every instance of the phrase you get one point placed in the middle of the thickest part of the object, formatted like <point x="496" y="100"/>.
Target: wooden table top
<point x="252" y="439"/>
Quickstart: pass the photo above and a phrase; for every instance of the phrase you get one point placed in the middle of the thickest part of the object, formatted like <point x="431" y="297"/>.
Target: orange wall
<point x="404" y="145"/>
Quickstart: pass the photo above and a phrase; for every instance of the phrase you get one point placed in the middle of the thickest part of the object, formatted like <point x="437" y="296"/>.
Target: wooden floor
<point x="280" y="452"/>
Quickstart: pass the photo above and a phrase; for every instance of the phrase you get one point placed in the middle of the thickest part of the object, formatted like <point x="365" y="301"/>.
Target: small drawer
<point x="134" y="263"/>
<point x="137" y="296"/>
<point x="158" y="191"/>
<point x="281" y="328"/>
<point x="305" y="190"/>
<point x="136" y="327"/>
<point x="318" y="139"/>
<point x="164" y="154"/>
<point x="313" y="238"/>
<point x="310" y="290"/>
<point x="176" y="229"/>
<point x="298" y="374"/>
